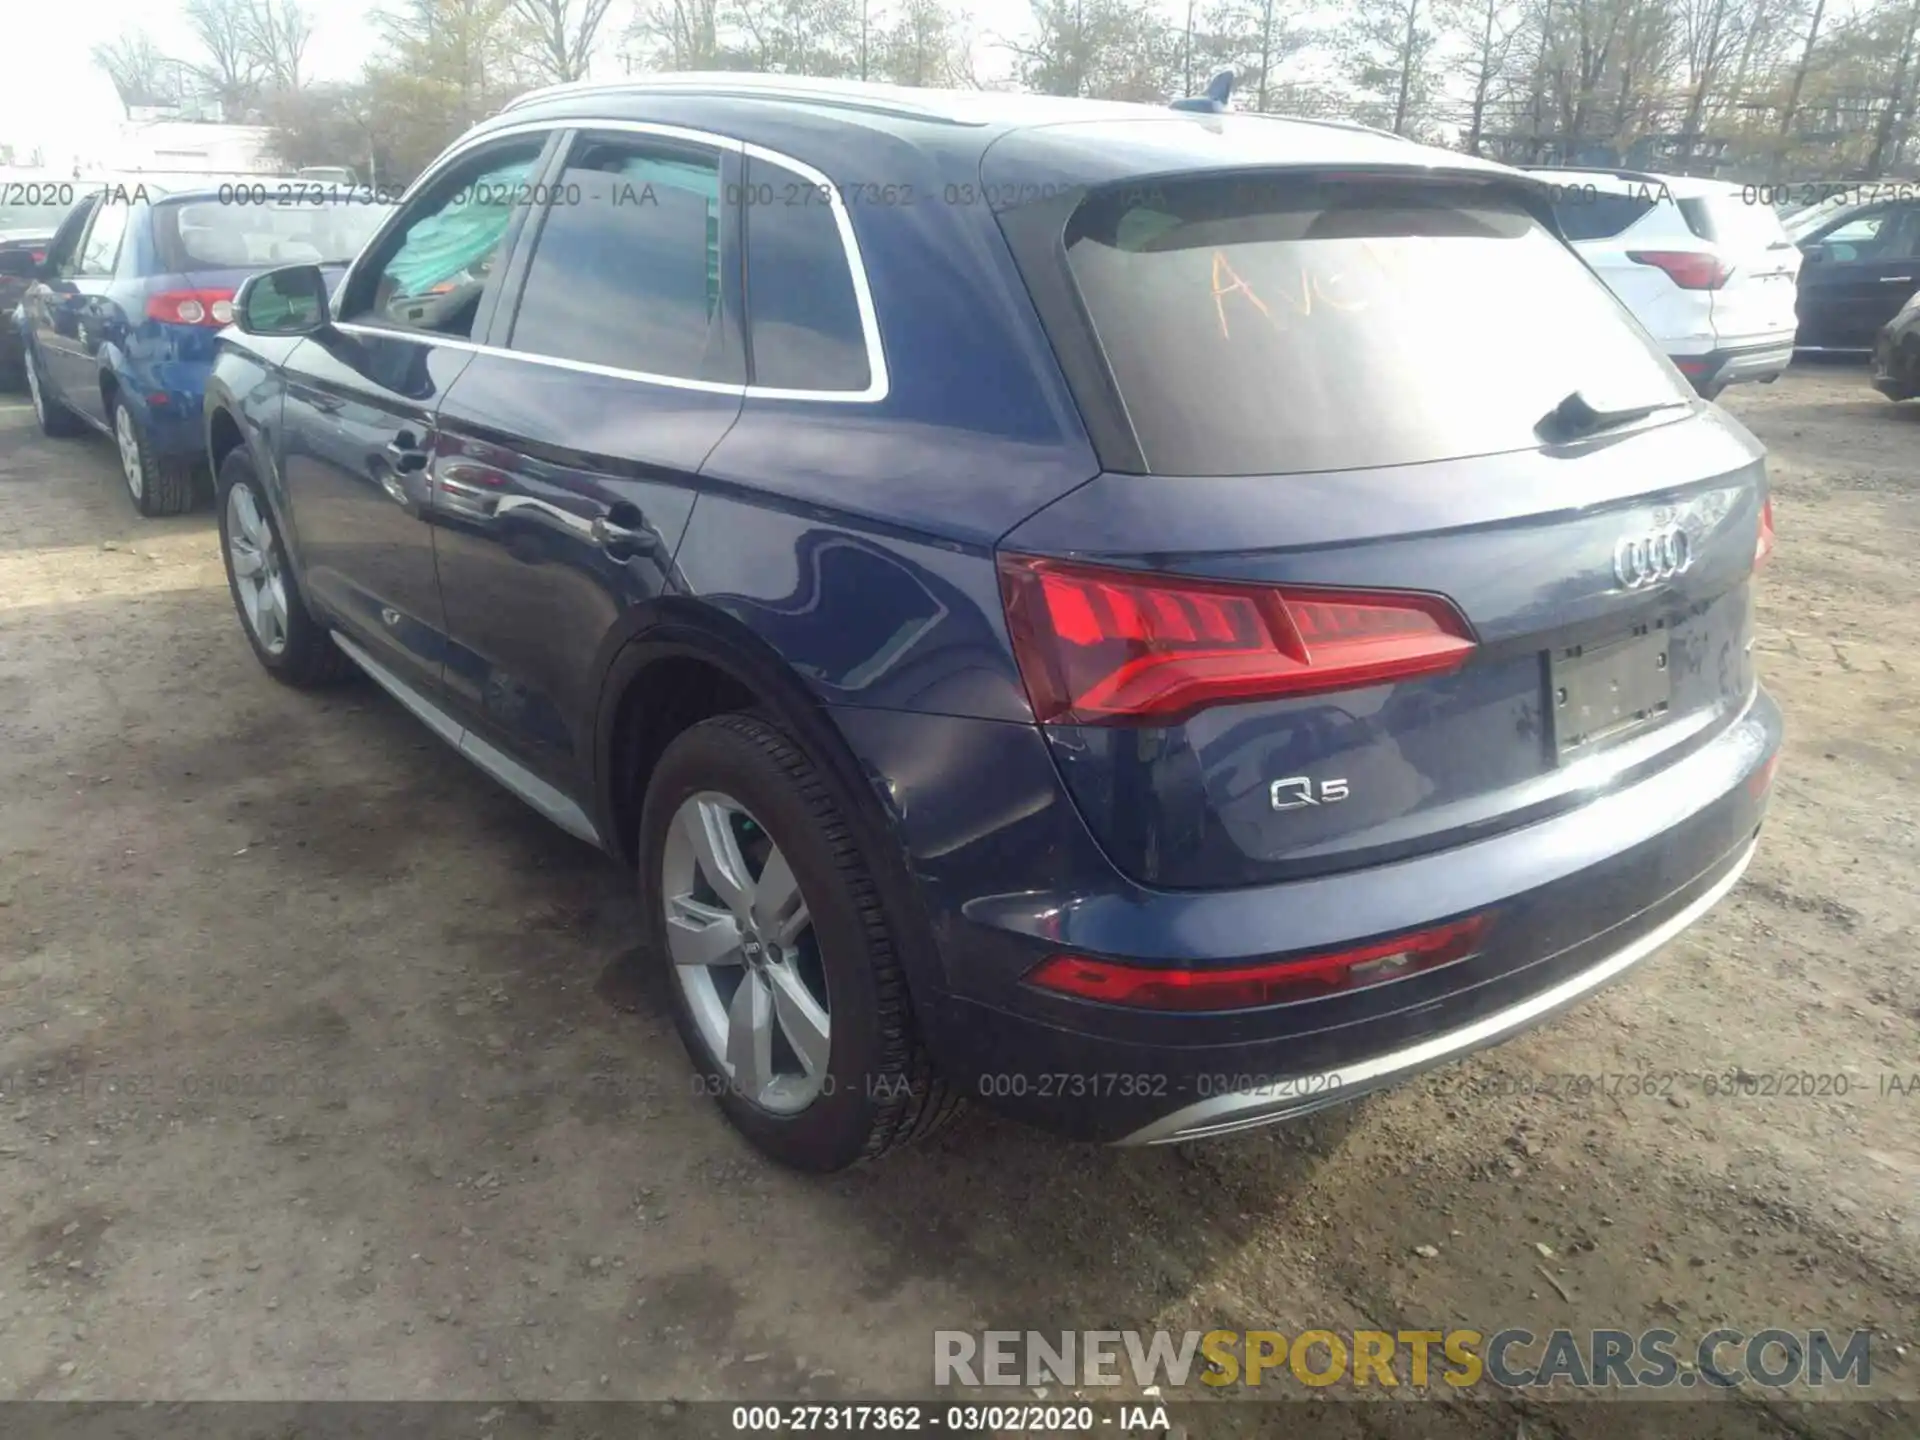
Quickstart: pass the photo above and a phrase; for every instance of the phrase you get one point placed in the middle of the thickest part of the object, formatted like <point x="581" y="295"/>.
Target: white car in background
<point x="1712" y="276"/>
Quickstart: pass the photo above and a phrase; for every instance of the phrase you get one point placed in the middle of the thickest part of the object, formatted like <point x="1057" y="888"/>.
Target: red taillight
<point x="191" y="307"/>
<point x="39" y="257"/>
<point x="1099" y="646"/>
<point x="1689" y="269"/>
<point x="1279" y="982"/>
<point x="1763" y="548"/>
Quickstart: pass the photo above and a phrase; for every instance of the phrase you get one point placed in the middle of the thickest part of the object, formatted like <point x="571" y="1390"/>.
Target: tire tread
<point x="926" y="1103"/>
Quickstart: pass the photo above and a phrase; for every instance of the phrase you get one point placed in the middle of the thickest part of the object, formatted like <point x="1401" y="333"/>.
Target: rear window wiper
<point x="1575" y="417"/>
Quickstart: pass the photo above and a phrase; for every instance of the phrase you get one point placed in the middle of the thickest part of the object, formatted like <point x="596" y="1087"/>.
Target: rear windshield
<point x="1733" y="224"/>
<point x="1293" y="324"/>
<point x="222" y="235"/>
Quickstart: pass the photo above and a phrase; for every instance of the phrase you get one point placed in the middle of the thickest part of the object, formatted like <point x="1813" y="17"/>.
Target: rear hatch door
<point x="1755" y="304"/>
<point x="1360" y="581"/>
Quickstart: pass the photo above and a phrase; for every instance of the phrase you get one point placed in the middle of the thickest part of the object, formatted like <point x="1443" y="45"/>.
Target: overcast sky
<point x="53" y="96"/>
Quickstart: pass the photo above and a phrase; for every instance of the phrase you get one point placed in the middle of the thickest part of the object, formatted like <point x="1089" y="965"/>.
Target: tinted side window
<point x="1597" y="216"/>
<point x="431" y="271"/>
<point x="101" y="248"/>
<point x="1859" y="236"/>
<point x="626" y="270"/>
<point x="803" y="319"/>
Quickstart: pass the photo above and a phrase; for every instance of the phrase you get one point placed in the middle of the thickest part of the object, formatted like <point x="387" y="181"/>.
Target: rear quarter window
<point x="1730" y="222"/>
<point x="803" y="316"/>
<point x="1595" y="215"/>
<point x="1297" y="324"/>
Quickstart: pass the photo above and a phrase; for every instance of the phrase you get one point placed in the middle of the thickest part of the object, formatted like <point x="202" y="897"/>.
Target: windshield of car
<point x="223" y="235"/>
<point x="1294" y="324"/>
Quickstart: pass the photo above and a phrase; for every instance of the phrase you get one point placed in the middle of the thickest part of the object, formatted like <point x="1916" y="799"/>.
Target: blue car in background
<point x="118" y="325"/>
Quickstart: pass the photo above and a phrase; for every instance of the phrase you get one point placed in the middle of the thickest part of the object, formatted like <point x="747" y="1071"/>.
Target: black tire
<point x="56" y="420"/>
<point x="166" y="482"/>
<point x="309" y="658"/>
<point x="884" y="1092"/>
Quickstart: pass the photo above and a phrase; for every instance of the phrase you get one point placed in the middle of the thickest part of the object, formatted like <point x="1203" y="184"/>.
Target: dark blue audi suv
<point x="1158" y="620"/>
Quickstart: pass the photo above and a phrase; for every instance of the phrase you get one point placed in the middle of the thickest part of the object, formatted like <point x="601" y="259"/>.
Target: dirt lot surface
<point x="325" y="1071"/>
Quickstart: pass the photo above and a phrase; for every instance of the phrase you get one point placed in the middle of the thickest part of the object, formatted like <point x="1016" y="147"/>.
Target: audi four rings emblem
<point x="1647" y="559"/>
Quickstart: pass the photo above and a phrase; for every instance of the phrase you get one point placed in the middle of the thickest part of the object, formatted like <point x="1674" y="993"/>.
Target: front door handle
<point x="1896" y="279"/>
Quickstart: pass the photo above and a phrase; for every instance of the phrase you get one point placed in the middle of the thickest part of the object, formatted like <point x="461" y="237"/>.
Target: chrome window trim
<point x="878" y="380"/>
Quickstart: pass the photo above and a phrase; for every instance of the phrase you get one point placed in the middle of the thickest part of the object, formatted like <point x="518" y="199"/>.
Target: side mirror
<point x="289" y="301"/>
<point x="1815" y="253"/>
<point x="18" y="264"/>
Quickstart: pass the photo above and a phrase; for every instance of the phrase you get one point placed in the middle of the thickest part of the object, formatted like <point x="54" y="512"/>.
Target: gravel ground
<point x="325" y="1070"/>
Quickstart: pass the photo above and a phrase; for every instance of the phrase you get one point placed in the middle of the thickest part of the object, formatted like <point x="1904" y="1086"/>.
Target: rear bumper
<point x="1576" y="901"/>
<point x="1718" y="369"/>
<point x="1290" y="1096"/>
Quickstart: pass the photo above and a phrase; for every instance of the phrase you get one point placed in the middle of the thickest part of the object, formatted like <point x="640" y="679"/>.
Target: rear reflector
<point x="1099" y="646"/>
<point x="1689" y="269"/>
<point x="191" y="307"/>
<point x="1763" y="548"/>
<point x="1277" y="983"/>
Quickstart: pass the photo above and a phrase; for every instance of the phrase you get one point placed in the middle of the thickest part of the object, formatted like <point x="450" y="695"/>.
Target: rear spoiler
<point x="1211" y="101"/>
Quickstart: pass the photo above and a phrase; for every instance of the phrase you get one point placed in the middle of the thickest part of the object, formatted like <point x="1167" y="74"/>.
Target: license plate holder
<point x="1607" y="692"/>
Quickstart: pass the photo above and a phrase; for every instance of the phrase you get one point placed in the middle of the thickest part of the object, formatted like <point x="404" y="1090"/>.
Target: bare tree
<point x="1112" y="49"/>
<point x="1799" y="81"/>
<point x="1389" y="48"/>
<point x="137" y="68"/>
<point x="924" y="43"/>
<point x="1251" y="36"/>
<point x="277" y="34"/>
<point x="231" y="69"/>
<point x="800" y="37"/>
<point x="563" y="33"/>
<point x="1890" y="133"/>
<point x="1488" y="65"/>
<point x="677" y="34"/>
<point x="1710" y="32"/>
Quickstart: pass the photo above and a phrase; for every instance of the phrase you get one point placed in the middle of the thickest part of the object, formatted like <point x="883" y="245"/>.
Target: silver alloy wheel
<point x="257" y="577"/>
<point x="129" y="444"/>
<point x="33" y="386"/>
<point x="744" y="954"/>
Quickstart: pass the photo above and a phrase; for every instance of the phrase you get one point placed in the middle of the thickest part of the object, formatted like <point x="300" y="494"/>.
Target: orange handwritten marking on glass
<point x="1238" y="287"/>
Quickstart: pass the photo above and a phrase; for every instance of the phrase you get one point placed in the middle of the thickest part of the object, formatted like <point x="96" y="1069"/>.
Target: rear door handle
<point x="1896" y="279"/>
<point x="621" y="530"/>
<point x="607" y="533"/>
<point x="405" y="453"/>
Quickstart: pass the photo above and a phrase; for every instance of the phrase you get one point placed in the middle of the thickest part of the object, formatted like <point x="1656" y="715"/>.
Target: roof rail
<point x="859" y="94"/>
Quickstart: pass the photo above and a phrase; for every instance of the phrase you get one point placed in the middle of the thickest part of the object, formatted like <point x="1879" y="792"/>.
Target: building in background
<point x="149" y="144"/>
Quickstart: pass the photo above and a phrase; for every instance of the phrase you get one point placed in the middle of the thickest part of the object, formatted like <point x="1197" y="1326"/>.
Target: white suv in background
<point x="1712" y="277"/>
